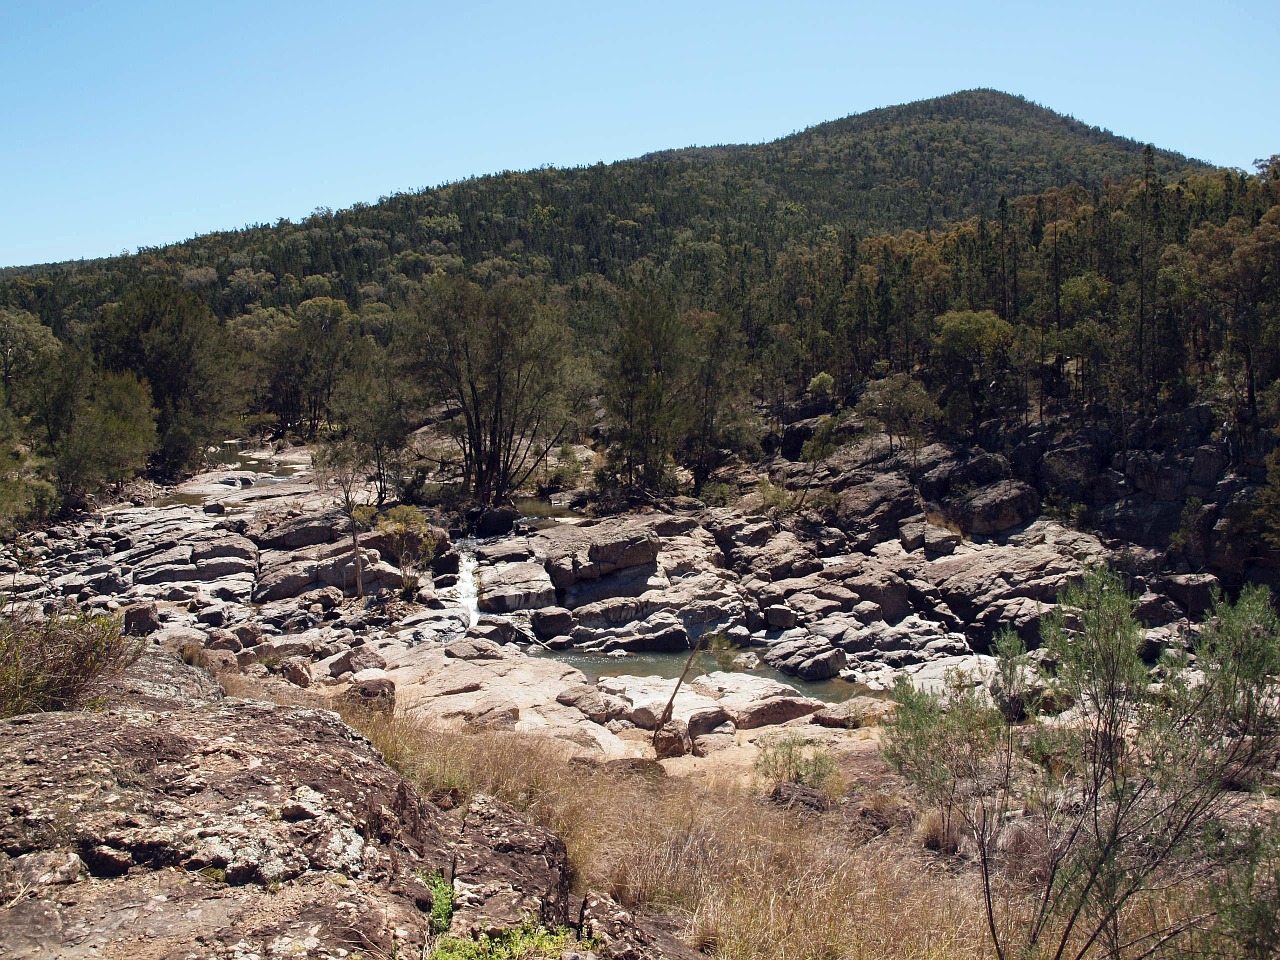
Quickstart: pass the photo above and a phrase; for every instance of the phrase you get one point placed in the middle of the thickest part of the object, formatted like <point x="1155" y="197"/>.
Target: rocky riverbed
<point x="255" y="569"/>
<point x="178" y="822"/>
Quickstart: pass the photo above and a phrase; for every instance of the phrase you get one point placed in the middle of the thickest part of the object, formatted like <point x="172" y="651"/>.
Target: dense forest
<point x="956" y="267"/>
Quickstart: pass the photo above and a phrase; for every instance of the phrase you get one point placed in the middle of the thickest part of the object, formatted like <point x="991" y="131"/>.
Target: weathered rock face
<point x="622" y="936"/>
<point x="505" y="871"/>
<point x="661" y="632"/>
<point x="869" y="509"/>
<point x="300" y="532"/>
<point x="752" y="702"/>
<point x="1012" y="584"/>
<point x="179" y="823"/>
<point x="287" y="575"/>
<point x="799" y="653"/>
<point x="996" y="508"/>
<point x="239" y="822"/>
<point x="507" y="587"/>
<point x="573" y="554"/>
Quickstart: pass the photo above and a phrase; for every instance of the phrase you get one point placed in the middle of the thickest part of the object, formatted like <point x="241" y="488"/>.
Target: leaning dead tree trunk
<point x="355" y="549"/>
<point x="667" y="711"/>
<point x="343" y="466"/>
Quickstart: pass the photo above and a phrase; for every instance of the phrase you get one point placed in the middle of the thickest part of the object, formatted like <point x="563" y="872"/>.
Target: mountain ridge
<point x="917" y="160"/>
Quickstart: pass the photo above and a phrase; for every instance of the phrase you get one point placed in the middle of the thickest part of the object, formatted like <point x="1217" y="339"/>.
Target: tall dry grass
<point x="754" y="881"/>
<point x="59" y="662"/>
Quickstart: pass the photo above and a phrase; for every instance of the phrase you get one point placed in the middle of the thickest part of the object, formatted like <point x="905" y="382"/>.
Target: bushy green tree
<point x="169" y="338"/>
<point x="717" y="386"/>
<point x="371" y="404"/>
<point x="647" y="390"/>
<point x="902" y="408"/>
<point x="111" y="432"/>
<point x="25" y="345"/>
<point x="970" y="356"/>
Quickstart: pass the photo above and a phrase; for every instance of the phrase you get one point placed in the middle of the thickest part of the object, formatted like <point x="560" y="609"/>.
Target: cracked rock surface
<point x="179" y="823"/>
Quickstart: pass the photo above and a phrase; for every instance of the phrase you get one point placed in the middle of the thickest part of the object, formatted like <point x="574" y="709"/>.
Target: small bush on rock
<point x="528" y="942"/>
<point x="441" y="902"/>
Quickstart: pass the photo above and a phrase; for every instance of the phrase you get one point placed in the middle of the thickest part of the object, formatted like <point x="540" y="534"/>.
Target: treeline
<point x="698" y="296"/>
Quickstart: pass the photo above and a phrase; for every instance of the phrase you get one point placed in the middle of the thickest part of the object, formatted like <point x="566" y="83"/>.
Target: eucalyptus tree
<point x="495" y="357"/>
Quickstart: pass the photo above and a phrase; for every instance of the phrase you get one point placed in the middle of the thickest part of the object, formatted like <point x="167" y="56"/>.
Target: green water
<point x="670" y="665"/>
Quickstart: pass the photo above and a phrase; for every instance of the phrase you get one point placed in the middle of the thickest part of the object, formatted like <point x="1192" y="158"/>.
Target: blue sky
<point x="129" y="123"/>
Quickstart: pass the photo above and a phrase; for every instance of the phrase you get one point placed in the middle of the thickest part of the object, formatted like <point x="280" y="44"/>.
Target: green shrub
<point x="441" y="902"/>
<point x="567" y="474"/>
<point x="790" y="758"/>
<point x="715" y="494"/>
<point x="821" y="386"/>
<point x="60" y="662"/>
<point x="776" y="501"/>
<point x="529" y="942"/>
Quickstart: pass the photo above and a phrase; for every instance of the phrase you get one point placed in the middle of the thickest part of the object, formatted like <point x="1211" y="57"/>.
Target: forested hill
<point x="970" y="244"/>
<point x="914" y="166"/>
<point x="919" y="165"/>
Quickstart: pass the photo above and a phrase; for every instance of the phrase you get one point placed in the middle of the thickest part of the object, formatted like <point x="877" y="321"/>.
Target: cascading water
<point x="468" y="595"/>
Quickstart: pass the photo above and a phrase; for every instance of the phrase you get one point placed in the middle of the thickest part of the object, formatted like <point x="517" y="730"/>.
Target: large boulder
<point x="663" y="632"/>
<point x="752" y="702"/>
<point x="495" y="521"/>
<point x="299" y="532"/>
<point x="869" y="509"/>
<point x="141" y="619"/>
<point x="550" y="622"/>
<point x="982" y="583"/>
<point x="996" y="508"/>
<point x="576" y="552"/>
<point x="647" y="698"/>
<point x="804" y="655"/>
<point x="284" y="581"/>
<point x="505" y="587"/>
<point x="627" y="582"/>
<point x="702" y="598"/>
<point x="781" y="557"/>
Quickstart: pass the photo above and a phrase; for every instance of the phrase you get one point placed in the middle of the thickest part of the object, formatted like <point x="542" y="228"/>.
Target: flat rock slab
<point x="753" y="702"/>
<point x="647" y="698"/>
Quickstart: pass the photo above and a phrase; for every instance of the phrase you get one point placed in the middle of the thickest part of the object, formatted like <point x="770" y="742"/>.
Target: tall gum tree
<point x="495" y="357"/>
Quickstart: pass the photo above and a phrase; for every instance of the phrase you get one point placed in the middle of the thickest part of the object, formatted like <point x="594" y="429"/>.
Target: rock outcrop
<point x="181" y="823"/>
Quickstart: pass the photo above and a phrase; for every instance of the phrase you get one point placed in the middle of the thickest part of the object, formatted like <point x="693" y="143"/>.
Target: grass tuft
<point x="59" y="662"/>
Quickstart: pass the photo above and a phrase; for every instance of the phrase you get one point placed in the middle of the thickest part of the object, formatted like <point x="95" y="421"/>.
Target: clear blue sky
<point x="129" y="123"/>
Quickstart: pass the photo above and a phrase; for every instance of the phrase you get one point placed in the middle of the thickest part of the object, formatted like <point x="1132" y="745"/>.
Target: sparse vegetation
<point x="528" y="942"/>
<point x="412" y="541"/>
<point x="757" y="883"/>
<point x="790" y="758"/>
<point x="1118" y="828"/>
<point x="441" y="902"/>
<point x="59" y="662"/>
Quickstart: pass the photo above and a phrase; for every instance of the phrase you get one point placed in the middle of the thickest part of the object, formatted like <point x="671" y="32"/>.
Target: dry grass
<point x="59" y="662"/>
<point x="753" y="880"/>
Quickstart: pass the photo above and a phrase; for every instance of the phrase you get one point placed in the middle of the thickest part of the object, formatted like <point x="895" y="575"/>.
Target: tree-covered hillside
<point x="975" y="251"/>
<point x="915" y="166"/>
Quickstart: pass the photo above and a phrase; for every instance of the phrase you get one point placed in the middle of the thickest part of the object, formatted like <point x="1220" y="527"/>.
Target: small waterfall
<point x="468" y="595"/>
